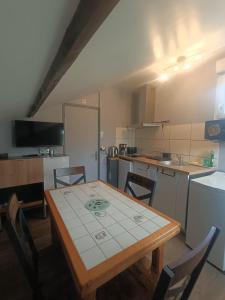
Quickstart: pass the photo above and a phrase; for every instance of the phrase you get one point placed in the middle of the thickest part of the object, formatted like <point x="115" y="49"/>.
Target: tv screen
<point x="38" y="134"/>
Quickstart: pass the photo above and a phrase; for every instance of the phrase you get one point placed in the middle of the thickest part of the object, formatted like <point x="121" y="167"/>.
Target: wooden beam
<point x="87" y="18"/>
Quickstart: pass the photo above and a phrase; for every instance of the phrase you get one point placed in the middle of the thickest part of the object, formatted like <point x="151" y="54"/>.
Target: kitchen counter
<point x="187" y="168"/>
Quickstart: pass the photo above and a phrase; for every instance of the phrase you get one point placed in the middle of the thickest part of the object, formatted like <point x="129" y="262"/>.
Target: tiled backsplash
<point x="125" y="135"/>
<point x="186" y="139"/>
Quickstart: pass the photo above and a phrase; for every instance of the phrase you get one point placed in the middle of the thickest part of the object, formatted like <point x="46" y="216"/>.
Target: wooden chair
<point x="46" y="270"/>
<point x="72" y="171"/>
<point x="143" y="182"/>
<point x="176" y="280"/>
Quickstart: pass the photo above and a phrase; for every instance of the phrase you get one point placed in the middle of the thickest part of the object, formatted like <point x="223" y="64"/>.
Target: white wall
<point x="115" y="106"/>
<point x="188" y="97"/>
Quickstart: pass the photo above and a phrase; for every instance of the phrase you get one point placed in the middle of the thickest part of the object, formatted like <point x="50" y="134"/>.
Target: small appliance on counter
<point x="112" y="152"/>
<point x="122" y="149"/>
<point x="131" y="150"/>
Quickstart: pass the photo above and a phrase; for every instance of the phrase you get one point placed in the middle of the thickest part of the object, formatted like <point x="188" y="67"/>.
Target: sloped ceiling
<point x="138" y="39"/>
<point x="30" y="34"/>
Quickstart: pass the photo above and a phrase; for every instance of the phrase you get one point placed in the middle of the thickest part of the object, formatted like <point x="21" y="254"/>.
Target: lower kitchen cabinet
<point x="171" y="194"/>
<point x="171" y="188"/>
<point x="165" y="193"/>
<point x="125" y="166"/>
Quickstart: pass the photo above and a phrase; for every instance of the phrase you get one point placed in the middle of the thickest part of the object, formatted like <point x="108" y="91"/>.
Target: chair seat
<point x="123" y="287"/>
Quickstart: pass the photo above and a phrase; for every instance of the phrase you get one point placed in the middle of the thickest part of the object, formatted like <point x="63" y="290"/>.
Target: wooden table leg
<point x="157" y="263"/>
<point x="91" y="296"/>
<point x="147" y="272"/>
<point x="54" y="235"/>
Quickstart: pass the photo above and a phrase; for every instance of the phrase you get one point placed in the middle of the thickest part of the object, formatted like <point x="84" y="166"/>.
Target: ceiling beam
<point x="87" y="18"/>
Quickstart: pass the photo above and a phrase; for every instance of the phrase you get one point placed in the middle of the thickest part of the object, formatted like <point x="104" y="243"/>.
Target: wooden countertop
<point x="187" y="168"/>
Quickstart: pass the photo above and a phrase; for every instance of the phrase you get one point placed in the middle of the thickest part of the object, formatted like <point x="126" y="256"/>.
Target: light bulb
<point x="187" y="67"/>
<point x="163" y="77"/>
<point x="198" y="57"/>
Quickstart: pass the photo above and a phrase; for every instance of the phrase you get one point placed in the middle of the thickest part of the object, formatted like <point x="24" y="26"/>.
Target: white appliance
<point x="206" y="207"/>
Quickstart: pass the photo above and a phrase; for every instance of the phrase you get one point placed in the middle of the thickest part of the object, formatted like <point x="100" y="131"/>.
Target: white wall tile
<point x="202" y="148"/>
<point x="180" y="147"/>
<point x="180" y="132"/>
<point x="160" y="145"/>
<point x="121" y="133"/>
<point x="161" y="132"/>
<point x="198" y="131"/>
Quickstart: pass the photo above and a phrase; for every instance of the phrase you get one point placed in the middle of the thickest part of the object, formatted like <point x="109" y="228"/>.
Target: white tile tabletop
<point x="100" y="235"/>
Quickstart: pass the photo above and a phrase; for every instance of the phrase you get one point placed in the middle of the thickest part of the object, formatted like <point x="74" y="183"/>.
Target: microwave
<point x="215" y="130"/>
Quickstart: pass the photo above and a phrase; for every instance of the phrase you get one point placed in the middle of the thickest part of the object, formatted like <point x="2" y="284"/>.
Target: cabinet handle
<point x="170" y="175"/>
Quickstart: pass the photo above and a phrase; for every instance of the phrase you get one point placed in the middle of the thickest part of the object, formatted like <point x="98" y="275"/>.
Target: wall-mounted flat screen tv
<point x="38" y="134"/>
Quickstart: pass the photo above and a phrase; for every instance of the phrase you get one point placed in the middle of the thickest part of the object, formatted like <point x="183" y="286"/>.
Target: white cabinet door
<point x="181" y="201"/>
<point x="51" y="163"/>
<point x="140" y="169"/>
<point x="152" y="173"/>
<point x="125" y="166"/>
<point x="166" y="192"/>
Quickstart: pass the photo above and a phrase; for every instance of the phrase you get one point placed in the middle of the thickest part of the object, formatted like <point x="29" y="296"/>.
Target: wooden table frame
<point x="87" y="281"/>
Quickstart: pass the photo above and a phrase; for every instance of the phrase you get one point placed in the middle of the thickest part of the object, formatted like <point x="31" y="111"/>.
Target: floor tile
<point x="110" y="248"/>
<point x="92" y="257"/>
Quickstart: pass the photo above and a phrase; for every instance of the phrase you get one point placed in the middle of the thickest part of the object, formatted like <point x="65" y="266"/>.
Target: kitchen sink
<point x="172" y="163"/>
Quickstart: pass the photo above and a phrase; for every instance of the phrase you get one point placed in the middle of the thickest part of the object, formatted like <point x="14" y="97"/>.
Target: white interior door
<point x="81" y="138"/>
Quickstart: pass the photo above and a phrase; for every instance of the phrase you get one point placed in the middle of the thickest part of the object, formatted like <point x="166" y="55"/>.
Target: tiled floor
<point x="211" y="283"/>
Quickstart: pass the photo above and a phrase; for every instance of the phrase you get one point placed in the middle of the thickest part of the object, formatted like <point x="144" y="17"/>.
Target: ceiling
<point x="138" y="39"/>
<point x="30" y="34"/>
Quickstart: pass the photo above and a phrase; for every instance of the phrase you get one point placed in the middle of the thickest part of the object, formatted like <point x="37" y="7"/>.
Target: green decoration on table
<point x="97" y="204"/>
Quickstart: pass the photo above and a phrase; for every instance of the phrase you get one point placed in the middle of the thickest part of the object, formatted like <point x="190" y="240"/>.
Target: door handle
<point x="96" y="155"/>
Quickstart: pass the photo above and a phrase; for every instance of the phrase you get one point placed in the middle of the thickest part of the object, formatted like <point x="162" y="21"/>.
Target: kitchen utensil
<point x="113" y="151"/>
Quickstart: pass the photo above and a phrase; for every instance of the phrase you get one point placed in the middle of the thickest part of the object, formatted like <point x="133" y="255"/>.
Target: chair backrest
<point x="143" y="182"/>
<point x="72" y="171"/>
<point x="22" y="242"/>
<point x="178" y="279"/>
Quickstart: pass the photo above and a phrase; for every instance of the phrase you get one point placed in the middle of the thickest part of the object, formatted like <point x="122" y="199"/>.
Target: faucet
<point x="180" y="159"/>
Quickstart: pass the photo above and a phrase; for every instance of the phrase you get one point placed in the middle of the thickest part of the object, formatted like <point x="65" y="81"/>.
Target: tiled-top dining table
<point x="104" y="231"/>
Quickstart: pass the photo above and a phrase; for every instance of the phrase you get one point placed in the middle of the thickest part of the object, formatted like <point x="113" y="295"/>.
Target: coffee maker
<point x="122" y="149"/>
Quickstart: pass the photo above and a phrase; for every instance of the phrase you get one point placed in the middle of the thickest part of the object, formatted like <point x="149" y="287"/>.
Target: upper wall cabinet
<point x="143" y="107"/>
